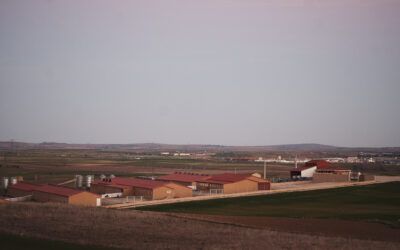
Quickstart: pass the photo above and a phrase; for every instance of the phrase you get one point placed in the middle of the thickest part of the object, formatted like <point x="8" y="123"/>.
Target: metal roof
<point x="184" y="177"/>
<point x="58" y="190"/>
<point x="26" y="186"/>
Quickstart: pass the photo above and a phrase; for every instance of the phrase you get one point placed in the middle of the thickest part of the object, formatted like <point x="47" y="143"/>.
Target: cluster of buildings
<point x="279" y="159"/>
<point x="324" y="171"/>
<point x="176" y="185"/>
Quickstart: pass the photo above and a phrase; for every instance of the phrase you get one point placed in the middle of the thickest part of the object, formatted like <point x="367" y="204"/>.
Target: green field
<point x="378" y="203"/>
<point x="16" y="242"/>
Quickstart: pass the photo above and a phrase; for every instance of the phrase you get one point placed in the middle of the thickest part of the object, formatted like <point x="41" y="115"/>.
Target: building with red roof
<point x="53" y="193"/>
<point x="184" y="178"/>
<point x="149" y="189"/>
<point x="309" y="169"/>
<point x="21" y="189"/>
<point x="229" y="183"/>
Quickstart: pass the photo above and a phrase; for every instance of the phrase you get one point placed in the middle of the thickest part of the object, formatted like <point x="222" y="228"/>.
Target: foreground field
<point x="17" y="242"/>
<point x="148" y="230"/>
<point x="377" y="203"/>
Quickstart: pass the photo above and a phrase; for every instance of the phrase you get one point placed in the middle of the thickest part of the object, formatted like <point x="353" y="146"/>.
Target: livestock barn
<point x="332" y="175"/>
<point x="184" y="178"/>
<point x="309" y="169"/>
<point x="53" y="193"/>
<point x="229" y="183"/>
<point x="149" y="189"/>
<point x="22" y="189"/>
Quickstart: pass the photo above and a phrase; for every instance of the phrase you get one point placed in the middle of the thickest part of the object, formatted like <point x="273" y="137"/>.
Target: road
<point x="285" y="187"/>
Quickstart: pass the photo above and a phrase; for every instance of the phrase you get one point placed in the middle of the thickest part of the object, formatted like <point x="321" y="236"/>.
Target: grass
<point x="55" y="224"/>
<point x="378" y="202"/>
<point x="17" y="242"/>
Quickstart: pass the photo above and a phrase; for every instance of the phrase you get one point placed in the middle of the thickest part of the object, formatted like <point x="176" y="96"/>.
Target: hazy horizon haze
<point x="223" y="72"/>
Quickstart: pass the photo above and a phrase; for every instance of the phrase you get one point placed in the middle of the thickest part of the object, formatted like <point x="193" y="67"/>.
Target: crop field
<point x="371" y="203"/>
<point x="60" y="165"/>
<point x="47" y="226"/>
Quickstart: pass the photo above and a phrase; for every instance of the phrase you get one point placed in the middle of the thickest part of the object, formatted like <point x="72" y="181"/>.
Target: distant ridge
<point x="140" y="147"/>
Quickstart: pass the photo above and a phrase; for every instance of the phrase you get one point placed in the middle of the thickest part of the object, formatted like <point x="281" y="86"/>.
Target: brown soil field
<point x="131" y="229"/>
<point x="322" y="227"/>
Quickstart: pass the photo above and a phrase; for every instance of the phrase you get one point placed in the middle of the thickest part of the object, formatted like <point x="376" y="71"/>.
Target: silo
<point x="13" y="180"/>
<point x="4" y="183"/>
<point x="88" y="181"/>
<point x="78" y="181"/>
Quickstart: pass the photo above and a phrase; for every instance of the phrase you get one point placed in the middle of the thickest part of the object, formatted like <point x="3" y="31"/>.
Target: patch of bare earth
<point x="148" y="230"/>
<point x="323" y="227"/>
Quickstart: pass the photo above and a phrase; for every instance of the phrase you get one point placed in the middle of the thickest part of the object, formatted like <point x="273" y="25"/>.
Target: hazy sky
<point x="232" y="72"/>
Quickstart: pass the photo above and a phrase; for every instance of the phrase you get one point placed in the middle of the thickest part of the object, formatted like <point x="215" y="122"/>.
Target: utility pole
<point x="265" y="169"/>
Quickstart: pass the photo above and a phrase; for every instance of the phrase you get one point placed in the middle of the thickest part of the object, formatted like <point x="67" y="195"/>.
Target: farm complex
<point x="111" y="190"/>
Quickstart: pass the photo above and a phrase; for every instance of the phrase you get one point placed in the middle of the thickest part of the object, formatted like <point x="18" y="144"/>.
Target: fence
<point x="127" y="199"/>
<point x="209" y="192"/>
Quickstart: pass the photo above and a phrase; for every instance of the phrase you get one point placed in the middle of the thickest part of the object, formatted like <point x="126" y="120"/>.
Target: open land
<point x="149" y="230"/>
<point x="365" y="212"/>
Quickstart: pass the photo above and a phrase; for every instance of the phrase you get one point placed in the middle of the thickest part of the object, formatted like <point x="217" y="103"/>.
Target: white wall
<point x="309" y="172"/>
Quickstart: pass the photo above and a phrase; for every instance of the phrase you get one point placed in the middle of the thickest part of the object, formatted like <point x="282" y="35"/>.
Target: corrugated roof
<point x="228" y="177"/>
<point x="184" y="177"/>
<point x="317" y="163"/>
<point x="134" y="182"/>
<point x="320" y="164"/>
<point x="26" y="186"/>
<point x="58" y="190"/>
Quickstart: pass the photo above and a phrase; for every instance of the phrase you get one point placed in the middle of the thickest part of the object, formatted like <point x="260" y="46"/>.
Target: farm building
<point x="184" y="178"/>
<point x="22" y="189"/>
<point x="332" y="175"/>
<point x="53" y="193"/>
<point x="229" y="183"/>
<point x="309" y="169"/>
<point x="149" y="189"/>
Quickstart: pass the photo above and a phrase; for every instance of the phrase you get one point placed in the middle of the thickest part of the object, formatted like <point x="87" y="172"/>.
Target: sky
<point x="227" y="72"/>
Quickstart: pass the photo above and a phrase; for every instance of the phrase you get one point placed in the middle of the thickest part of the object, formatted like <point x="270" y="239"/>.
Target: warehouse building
<point x="184" y="178"/>
<point x="53" y="193"/>
<point x="148" y="189"/>
<point x="21" y="189"/>
<point x="229" y="183"/>
<point x="332" y="175"/>
<point x="309" y="169"/>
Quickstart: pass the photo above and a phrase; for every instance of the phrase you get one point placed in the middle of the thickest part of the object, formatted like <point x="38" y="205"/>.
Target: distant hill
<point x="157" y="147"/>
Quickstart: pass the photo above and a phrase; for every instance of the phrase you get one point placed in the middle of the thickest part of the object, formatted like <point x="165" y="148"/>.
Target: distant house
<point x="53" y="193"/>
<point x="184" y="178"/>
<point x="229" y="183"/>
<point x="309" y="169"/>
<point x="149" y="189"/>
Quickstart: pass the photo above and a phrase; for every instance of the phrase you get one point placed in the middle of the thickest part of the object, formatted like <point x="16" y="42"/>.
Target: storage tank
<point x="102" y="177"/>
<point x="13" y="180"/>
<point x="89" y="180"/>
<point x="78" y="181"/>
<point x="4" y="183"/>
<point x="112" y="176"/>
